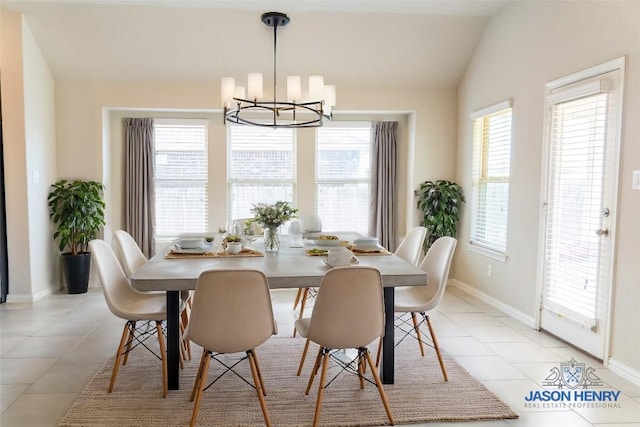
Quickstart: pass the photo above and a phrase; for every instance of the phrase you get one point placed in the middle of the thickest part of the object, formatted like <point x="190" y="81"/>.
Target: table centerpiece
<point x="271" y="217"/>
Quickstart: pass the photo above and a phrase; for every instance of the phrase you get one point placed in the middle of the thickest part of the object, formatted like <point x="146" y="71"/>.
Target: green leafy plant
<point x="76" y="208"/>
<point x="232" y="238"/>
<point x="440" y="202"/>
<point x="273" y="215"/>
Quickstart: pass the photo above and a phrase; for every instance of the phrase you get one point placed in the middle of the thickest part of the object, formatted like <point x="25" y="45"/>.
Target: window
<point x="260" y="168"/>
<point x="343" y="174"/>
<point x="491" y="170"/>
<point x="181" y="176"/>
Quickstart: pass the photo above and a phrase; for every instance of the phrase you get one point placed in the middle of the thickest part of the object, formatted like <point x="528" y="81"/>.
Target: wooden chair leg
<point x="183" y="327"/>
<point x="314" y="371"/>
<point x="379" y="352"/>
<point x="116" y="363"/>
<point x="198" y="397"/>
<point x="304" y="355"/>
<point x="303" y="302"/>
<point x="297" y="300"/>
<point x="132" y="334"/>
<point x="323" y="377"/>
<point x="436" y="346"/>
<point x="417" y="329"/>
<point x="383" y="395"/>
<point x="204" y="359"/>
<point x="163" y="358"/>
<point x="257" y="380"/>
<point x="255" y="359"/>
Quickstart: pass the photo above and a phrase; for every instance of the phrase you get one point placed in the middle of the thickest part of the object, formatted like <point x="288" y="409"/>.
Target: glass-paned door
<point x="582" y="164"/>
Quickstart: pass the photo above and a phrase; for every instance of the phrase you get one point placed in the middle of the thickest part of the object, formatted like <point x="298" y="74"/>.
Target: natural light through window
<point x="261" y="168"/>
<point x="343" y="175"/>
<point x="181" y="164"/>
<point x="491" y="172"/>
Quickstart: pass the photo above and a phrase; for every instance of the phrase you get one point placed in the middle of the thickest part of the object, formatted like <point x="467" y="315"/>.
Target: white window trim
<point x="479" y="249"/>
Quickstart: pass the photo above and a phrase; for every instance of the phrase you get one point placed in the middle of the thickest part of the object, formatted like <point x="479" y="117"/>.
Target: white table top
<point x="288" y="268"/>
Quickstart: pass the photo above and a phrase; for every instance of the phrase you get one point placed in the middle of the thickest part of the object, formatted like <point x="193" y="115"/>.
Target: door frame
<point x="613" y="65"/>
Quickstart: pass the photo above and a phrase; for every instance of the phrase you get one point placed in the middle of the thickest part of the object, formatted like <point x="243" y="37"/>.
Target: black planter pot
<point x="76" y="270"/>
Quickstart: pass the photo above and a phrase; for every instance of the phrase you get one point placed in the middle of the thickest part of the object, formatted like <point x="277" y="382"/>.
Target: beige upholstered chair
<point x="348" y="313"/>
<point x="231" y="313"/>
<point x="422" y="299"/>
<point x="411" y="247"/>
<point x="131" y="259"/>
<point x="130" y="305"/>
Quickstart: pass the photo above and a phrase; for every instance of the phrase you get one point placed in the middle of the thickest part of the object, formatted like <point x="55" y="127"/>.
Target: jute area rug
<point x="419" y="394"/>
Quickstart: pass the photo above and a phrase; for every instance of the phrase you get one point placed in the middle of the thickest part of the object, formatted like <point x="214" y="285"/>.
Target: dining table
<point x="290" y="267"/>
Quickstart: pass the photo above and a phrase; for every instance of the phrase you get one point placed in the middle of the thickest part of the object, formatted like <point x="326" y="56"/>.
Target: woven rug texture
<point x="419" y="394"/>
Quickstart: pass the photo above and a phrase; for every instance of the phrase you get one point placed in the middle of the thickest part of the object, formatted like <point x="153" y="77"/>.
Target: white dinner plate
<point x="354" y="261"/>
<point x="175" y="248"/>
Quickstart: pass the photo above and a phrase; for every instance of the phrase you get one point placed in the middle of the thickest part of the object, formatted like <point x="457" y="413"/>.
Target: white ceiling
<point x="383" y="43"/>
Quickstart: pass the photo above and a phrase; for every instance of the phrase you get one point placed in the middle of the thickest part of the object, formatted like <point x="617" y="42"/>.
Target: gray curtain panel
<point x="139" y="182"/>
<point x="384" y="163"/>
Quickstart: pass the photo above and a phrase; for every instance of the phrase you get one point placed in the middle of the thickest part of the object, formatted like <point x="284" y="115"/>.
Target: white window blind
<point x="260" y="168"/>
<point x="343" y="174"/>
<point x="491" y="171"/>
<point x="181" y="177"/>
<point x="574" y="210"/>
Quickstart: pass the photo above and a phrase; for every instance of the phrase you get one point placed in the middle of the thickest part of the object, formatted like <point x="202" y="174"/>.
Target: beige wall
<point x="30" y="168"/>
<point x="525" y="46"/>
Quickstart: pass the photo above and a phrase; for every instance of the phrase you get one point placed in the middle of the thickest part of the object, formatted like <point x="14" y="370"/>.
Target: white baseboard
<point x="624" y="371"/>
<point x="28" y="298"/>
<point x="507" y="309"/>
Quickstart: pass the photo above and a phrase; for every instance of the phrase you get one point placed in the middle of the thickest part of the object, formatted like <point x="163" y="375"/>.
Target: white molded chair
<point x="130" y="305"/>
<point x="348" y="313"/>
<point x="410" y="248"/>
<point x="131" y="256"/>
<point x="231" y="313"/>
<point x="131" y="259"/>
<point x="422" y="299"/>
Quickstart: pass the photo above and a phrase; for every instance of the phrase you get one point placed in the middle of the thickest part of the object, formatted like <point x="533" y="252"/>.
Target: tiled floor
<point x="50" y="350"/>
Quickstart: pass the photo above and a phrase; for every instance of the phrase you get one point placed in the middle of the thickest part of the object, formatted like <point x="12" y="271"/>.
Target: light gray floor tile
<point x="24" y="371"/>
<point x="463" y="346"/>
<point x="37" y="410"/>
<point x="43" y="347"/>
<point x="550" y="419"/>
<point x="496" y="334"/>
<point x="489" y="368"/>
<point x="524" y="352"/>
<point x="65" y="378"/>
<point x="9" y="393"/>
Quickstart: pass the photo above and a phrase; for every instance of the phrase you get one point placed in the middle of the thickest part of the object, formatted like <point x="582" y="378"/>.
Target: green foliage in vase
<point x="76" y="209"/>
<point x="440" y="202"/>
<point x="273" y="215"/>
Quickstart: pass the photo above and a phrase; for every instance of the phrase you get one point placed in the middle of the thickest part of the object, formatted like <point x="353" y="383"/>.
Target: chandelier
<point x="248" y="108"/>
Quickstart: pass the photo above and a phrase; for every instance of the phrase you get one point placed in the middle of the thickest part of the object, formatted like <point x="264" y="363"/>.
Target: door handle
<point x="602" y="232"/>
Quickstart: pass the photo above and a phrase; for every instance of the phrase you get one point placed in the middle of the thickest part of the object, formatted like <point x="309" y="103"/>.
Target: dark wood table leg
<point x="388" y="348"/>
<point x="173" y="339"/>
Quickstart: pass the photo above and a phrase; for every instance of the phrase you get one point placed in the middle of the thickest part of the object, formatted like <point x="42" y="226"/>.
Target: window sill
<point x="502" y="257"/>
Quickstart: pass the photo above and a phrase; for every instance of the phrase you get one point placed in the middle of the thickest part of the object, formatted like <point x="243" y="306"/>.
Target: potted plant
<point x="76" y="208"/>
<point x="233" y="243"/>
<point x="439" y="201"/>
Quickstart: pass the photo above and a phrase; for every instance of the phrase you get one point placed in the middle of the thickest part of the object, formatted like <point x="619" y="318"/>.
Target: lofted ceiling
<point x="383" y="43"/>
